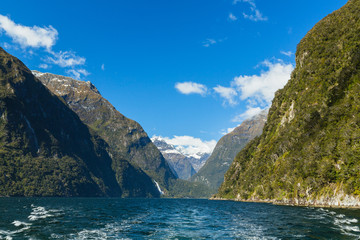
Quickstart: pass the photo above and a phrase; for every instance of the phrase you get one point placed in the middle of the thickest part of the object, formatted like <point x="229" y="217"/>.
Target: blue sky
<point x="180" y="68"/>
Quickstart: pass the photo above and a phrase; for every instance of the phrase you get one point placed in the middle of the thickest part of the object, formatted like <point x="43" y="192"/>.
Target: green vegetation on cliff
<point x="180" y="188"/>
<point x="310" y="147"/>
<point x="45" y="149"/>
<point x="212" y="173"/>
<point x="125" y="137"/>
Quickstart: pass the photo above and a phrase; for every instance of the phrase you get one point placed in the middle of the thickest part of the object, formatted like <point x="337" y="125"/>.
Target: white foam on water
<point x="113" y="230"/>
<point x="5" y="234"/>
<point x="98" y="234"/>
<point x="92" y="234"/>
<point x="56" y="236"/>
<point x="19" y="223"/>
<point x="340" y="221"/>
<point x="299" y="236"/>
<point x="41" y="213"/>
<point x="346" y="220"/>
<point x="9" y="234"/>
<point x="346" y="225"/>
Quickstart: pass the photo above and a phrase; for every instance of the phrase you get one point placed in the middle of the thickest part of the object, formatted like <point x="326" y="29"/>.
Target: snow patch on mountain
<point x="188" y="145"/>
<point x="195" y="150"/>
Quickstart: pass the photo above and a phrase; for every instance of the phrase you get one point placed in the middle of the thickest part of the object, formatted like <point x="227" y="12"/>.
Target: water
<point x="102" y="218"/>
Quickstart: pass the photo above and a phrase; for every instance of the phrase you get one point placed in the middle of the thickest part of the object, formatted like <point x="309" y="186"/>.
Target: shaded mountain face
<point x="199" y="160"/>
<point x="125" y="137"/>
<point x="45" y="149"/>
<point x="177" y="161"/>
<point x="212" y="173"/>
<point x="309" y="152"/>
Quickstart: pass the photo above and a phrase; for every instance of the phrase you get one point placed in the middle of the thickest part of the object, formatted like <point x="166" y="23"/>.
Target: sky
<point x="190" y="69"/>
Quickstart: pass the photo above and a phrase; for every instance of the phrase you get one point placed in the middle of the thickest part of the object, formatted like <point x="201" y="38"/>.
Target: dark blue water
<point x="84" y="218"/>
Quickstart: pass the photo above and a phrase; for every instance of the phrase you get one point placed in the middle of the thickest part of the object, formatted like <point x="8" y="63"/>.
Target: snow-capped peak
<point x="187" y="145"/>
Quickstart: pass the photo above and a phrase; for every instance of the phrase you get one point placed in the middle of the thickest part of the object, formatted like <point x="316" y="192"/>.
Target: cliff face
<point x="125" y="137"/>
<point x="45" y="149"/>
<point x="309" y="151"/>
<point x="177" y="161"/>
<point x="212" y="173"/>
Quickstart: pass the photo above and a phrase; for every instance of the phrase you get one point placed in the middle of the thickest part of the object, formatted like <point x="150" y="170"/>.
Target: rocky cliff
<point x="177" y="161"/>
<point x="45" y="149"/>
<point x="212" y="173"/>
<point x="309" y="151"/>
<point x="125" y="137"/>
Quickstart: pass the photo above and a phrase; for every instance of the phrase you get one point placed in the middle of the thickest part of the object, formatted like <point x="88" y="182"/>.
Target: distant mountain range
<point x="178" y="162"/>
<point x="212" y="173"/>
<point x="184" y="164"/>
<point x="46" y="150"/>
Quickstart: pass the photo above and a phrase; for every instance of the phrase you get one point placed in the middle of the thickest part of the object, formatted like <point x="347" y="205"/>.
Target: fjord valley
<point x="61" y="137"/>
<point x="125" y="137"/>
<point x="96" y="151"/>
<point x="308" y="153"/>
<point x="76" y="157"/>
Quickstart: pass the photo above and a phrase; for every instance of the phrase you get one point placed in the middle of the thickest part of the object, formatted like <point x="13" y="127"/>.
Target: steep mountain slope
<point x="309" y="152"/>
<point x="198" y="160"/>
<point x="212" y="173"/>
<point x="45" y="150"/>
<point x="177" y="161"/>
<point x="124" y="136"/>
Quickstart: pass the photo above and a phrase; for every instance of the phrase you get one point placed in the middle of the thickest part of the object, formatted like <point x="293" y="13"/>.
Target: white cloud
<point x="232" y="17"/>
<point x="260" y="89"/>
<point x="249" y="113"/>
<point x="44" y="66"/>
<point x="66" y="59"/>
<point x="29" y="36"/>
<point x="6" y="45"/>
<point x="77" y="73"/>
<point x="251" y="2"/>
<point x="227" y="93"/>
<point x="208" y="42"/>
<point x="189" y="145"/>
<point x="191" y="87"/>
<point x="103" y="67"/>
<point x="46" y="37"/>
<point x="226" y="131"/>
<point x="255" y="15"/>
<point x="288" y="53"/>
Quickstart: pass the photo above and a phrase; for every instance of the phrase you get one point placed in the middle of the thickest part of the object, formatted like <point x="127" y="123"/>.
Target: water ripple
<point x="99" y="218"/>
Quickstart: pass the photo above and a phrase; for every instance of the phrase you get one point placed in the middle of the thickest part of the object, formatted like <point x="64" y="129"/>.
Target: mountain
<point x="124" y="136"/>
<point x="198" y="160"/>
<point x="309" y="151"/>
<point x="45" y="149"/>
<point x="177" y="161"/>
<point x="212" y="173"/>
<point x="194" y="150"/>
